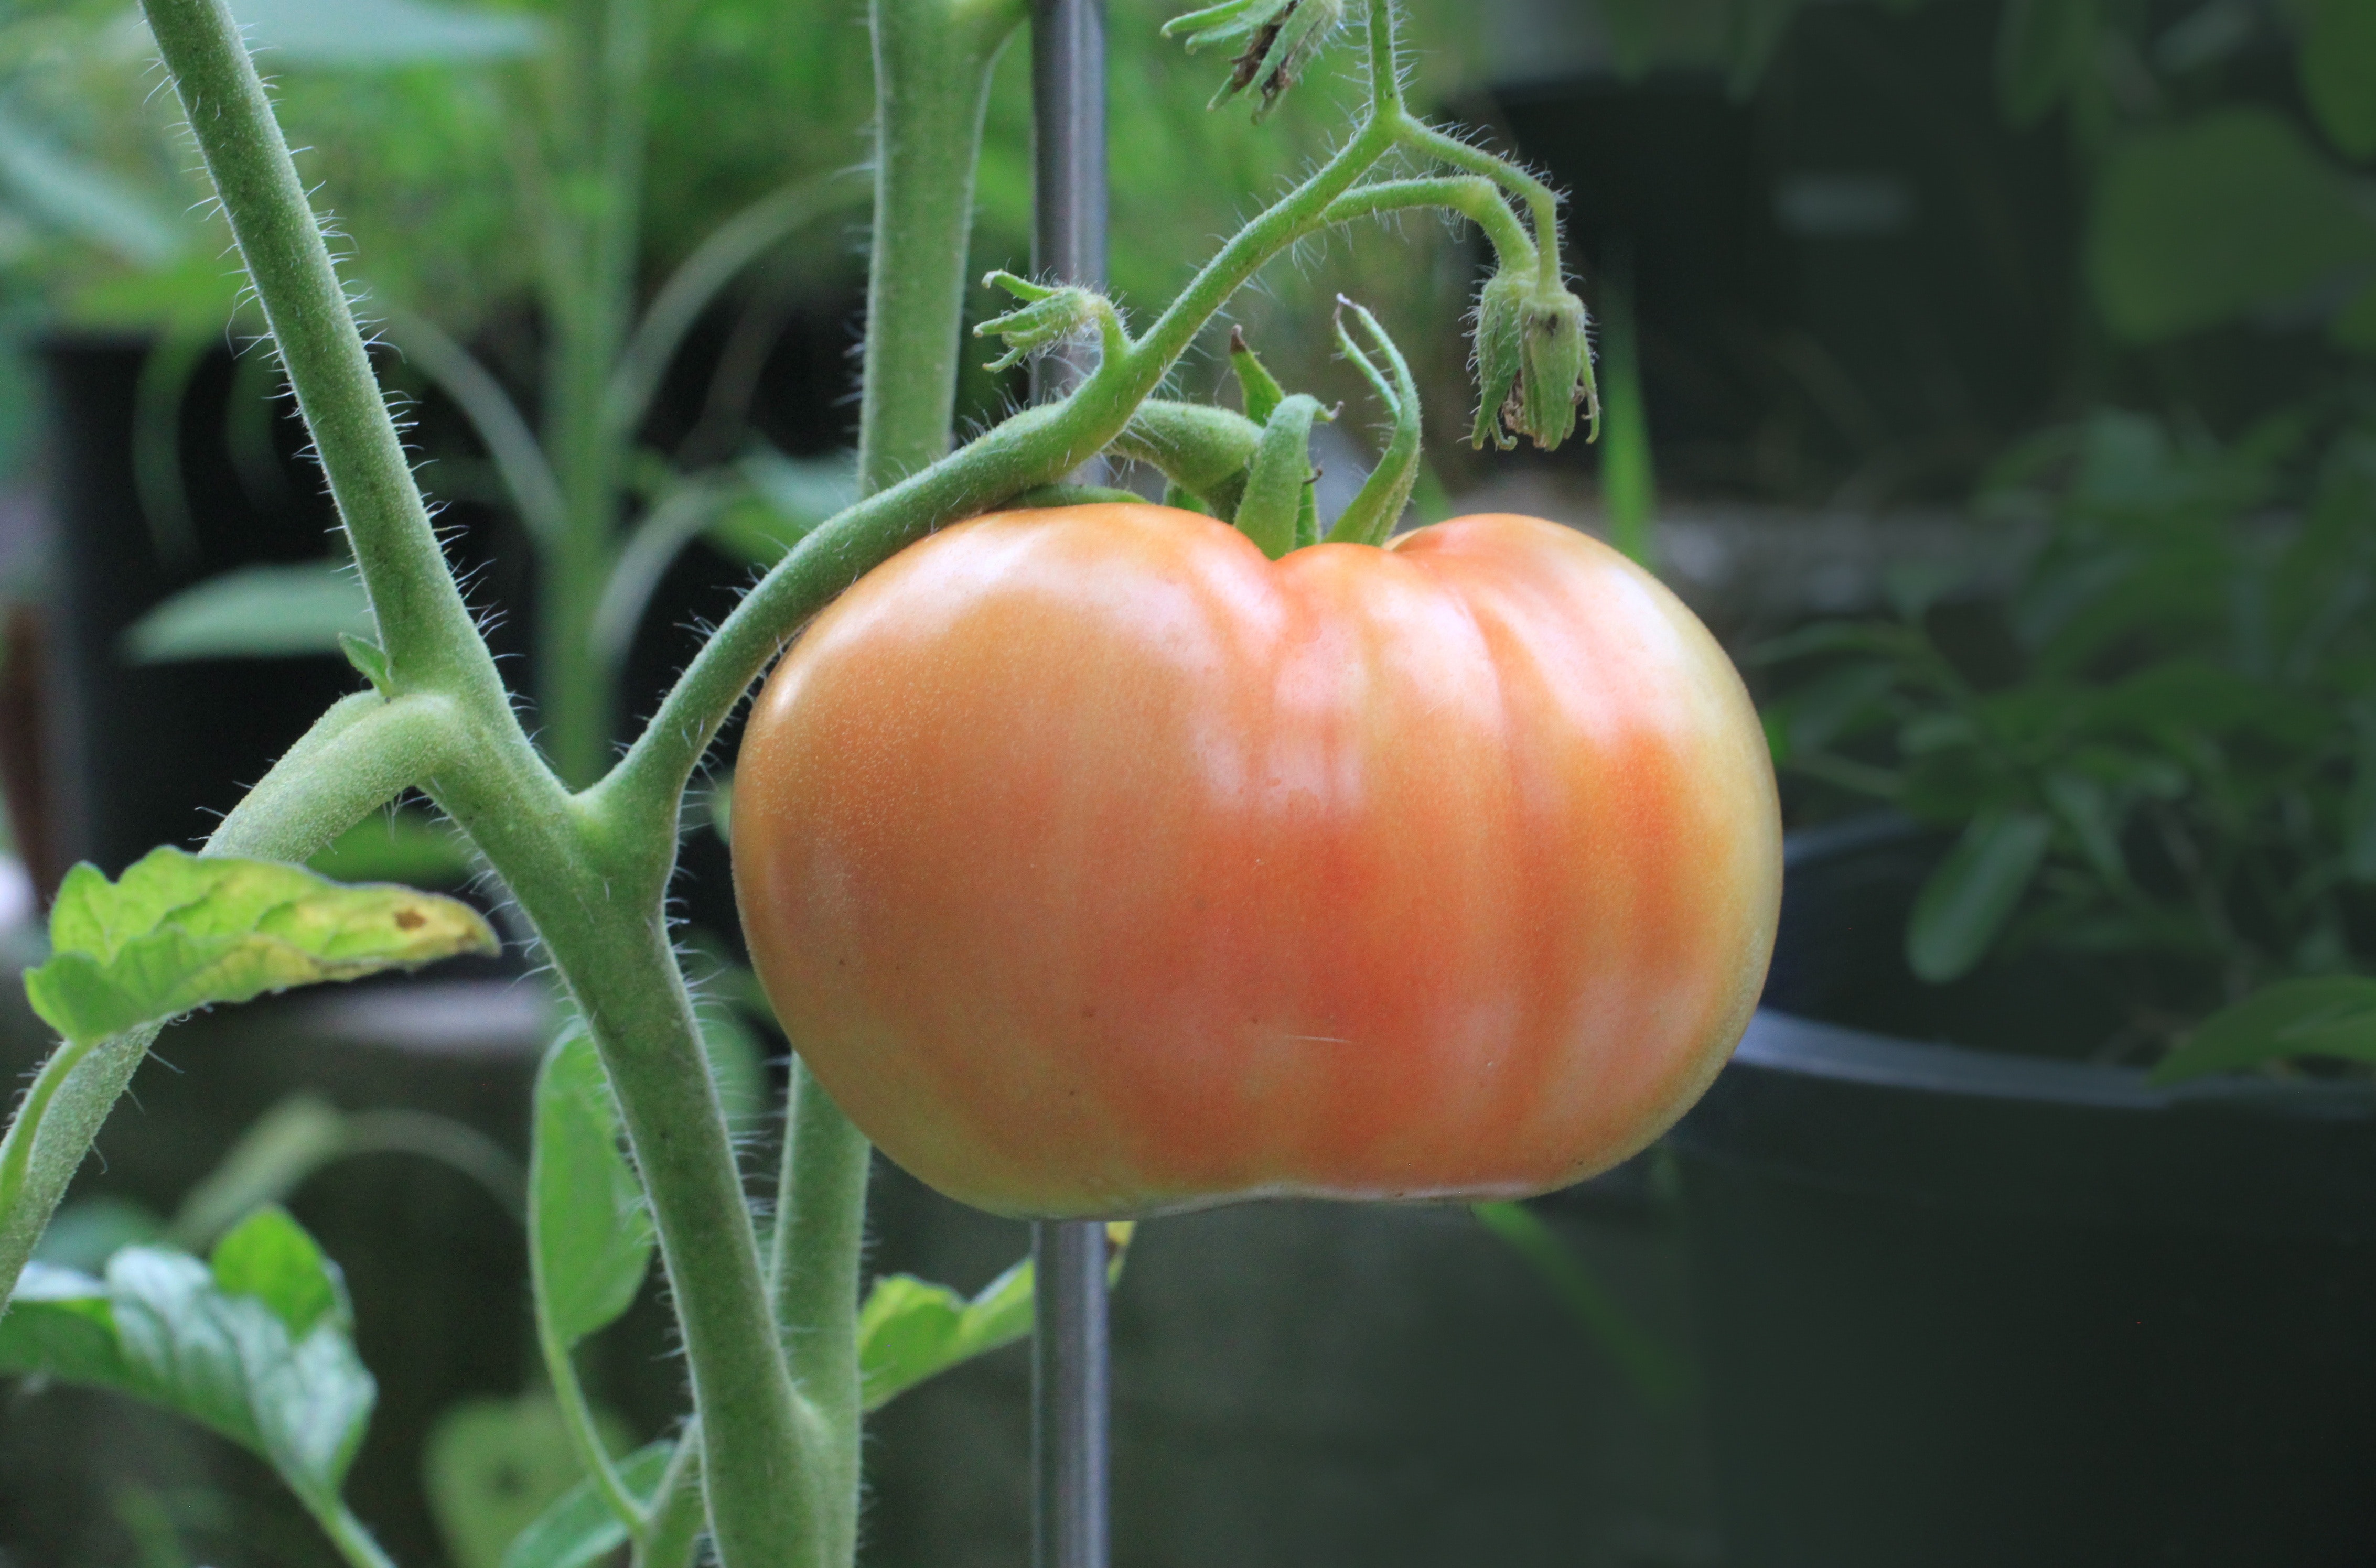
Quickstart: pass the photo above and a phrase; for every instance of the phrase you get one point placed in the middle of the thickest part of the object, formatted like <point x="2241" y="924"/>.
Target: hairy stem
<point x="820" y="1231"/>
<point x="1542" y="201"/>
<point x="1473" y="197"/>
<point x="428" y="634"/>
<point x="1034" y="448"/>
<point x="932" y="65"/>
<point x="595" y="898"/>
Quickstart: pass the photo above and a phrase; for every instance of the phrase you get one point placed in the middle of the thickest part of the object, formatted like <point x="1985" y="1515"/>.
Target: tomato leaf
<point x="579" y="1528"/>
<point x="315" y="607"/>
<point x="494" y="1467"/>
<point x="180" y="930"/>
<point x="1968" y="898"/>
<point x="2327" y="1015"/>
<point x="589" y="1237"/>
<point x="257" y="1348"/>
<point x="910" y="1329"/>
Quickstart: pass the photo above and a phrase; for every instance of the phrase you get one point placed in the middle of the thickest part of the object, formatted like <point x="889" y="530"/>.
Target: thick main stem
<point x="595" y="894"/>
<point x="820" y="1233"/>
<point x="933" y="62"/>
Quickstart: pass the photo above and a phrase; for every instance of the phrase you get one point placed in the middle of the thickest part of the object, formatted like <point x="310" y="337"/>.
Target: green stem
<point x="1474" y="198"/>
<point x="1036" y="447"/>
<point x="814" y="1266"/>
<point x="362" y="755"/>
<point x="577" y="1416"/>
<point x="1542" y="201"/>
<point x="932" y="63"/>
<point x="353" y="1541"/>
<point x="597" y="900"/>
<point x="25" y="1127"/>
<point x="428" y="632"/>
<point x="594" y="893"/>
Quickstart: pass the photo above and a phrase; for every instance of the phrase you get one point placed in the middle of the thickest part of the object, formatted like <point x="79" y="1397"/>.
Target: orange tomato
<point x="1099" y="866"/>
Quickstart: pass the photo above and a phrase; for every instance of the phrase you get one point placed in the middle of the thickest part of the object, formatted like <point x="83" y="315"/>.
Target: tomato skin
<point x="1099" y="866"/>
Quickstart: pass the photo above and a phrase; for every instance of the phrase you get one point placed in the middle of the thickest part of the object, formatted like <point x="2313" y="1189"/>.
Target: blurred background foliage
<point x="439" y="138"/>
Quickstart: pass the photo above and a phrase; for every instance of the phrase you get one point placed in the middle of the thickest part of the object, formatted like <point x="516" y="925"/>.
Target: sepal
<point x="1049" y="316"/>
<point x="1534" y="363"/>
<point x="1280" y="38"/>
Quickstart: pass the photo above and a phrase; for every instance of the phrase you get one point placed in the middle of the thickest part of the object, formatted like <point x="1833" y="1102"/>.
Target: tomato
<point x="1099" y="866"/>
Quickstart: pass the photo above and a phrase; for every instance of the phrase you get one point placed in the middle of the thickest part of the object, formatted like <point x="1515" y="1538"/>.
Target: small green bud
<point x="1047" y="316"/>
<point x="1280" y="38"/>
<point x="1534" y="362"/>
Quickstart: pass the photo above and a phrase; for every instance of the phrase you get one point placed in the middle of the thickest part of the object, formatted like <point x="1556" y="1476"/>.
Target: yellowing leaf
<point x="180" y="932"/>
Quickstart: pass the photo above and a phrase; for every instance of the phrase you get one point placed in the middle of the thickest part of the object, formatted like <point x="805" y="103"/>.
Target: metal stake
<point x="1068" y="1335"/>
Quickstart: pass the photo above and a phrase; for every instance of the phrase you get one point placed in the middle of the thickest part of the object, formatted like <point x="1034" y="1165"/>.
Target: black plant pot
<point x="1962" y="1307"/>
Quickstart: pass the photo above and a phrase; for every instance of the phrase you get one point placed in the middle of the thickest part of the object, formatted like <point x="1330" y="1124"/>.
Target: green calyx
<point x="1049" y="316"/>
<point x="1534" y="363"/>
<point x="1279" y="37"/>
<point x="1201" y="451"/>
<point x="1372" y="518"/>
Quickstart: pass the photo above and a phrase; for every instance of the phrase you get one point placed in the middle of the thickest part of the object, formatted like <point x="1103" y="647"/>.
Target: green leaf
<point x="2329" y="1015"/>
<point x="369" y="660"/>
<point x="270" y="1257"/>
<point x="910" y="1329"/>
<point x="2086" y="810"/>
<point x="180" y="932"/>
<point x="2194" y="225"/>
<point x="2339" y="73"/>
<point x="1832" y="705"/>
<point x="85" y="200"/>
<point x="590" y="1234"/>
<point x="579" y="1528"/>
<point x="1968" y="898"/>
<point x="1385" y="495"/>
<point x="492" y="1467"/>
<point x="256" y="1349"/>
<point x="84" y="1234"/>
<point x="256" y="613"/>
<point x="2042" y="47"/>
<point x="380" y="33"/>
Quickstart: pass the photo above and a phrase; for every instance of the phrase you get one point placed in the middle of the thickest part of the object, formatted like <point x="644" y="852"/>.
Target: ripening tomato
<point x="1097" y="865"/>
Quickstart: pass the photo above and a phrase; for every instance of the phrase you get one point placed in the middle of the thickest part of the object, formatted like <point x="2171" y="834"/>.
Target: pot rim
<point x="1786" y="1043"/>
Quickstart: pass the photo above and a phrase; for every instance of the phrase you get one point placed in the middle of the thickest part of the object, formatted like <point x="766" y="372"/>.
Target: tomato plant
<point x="1100" y="860"/>
<point x="1099" y="865"/>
